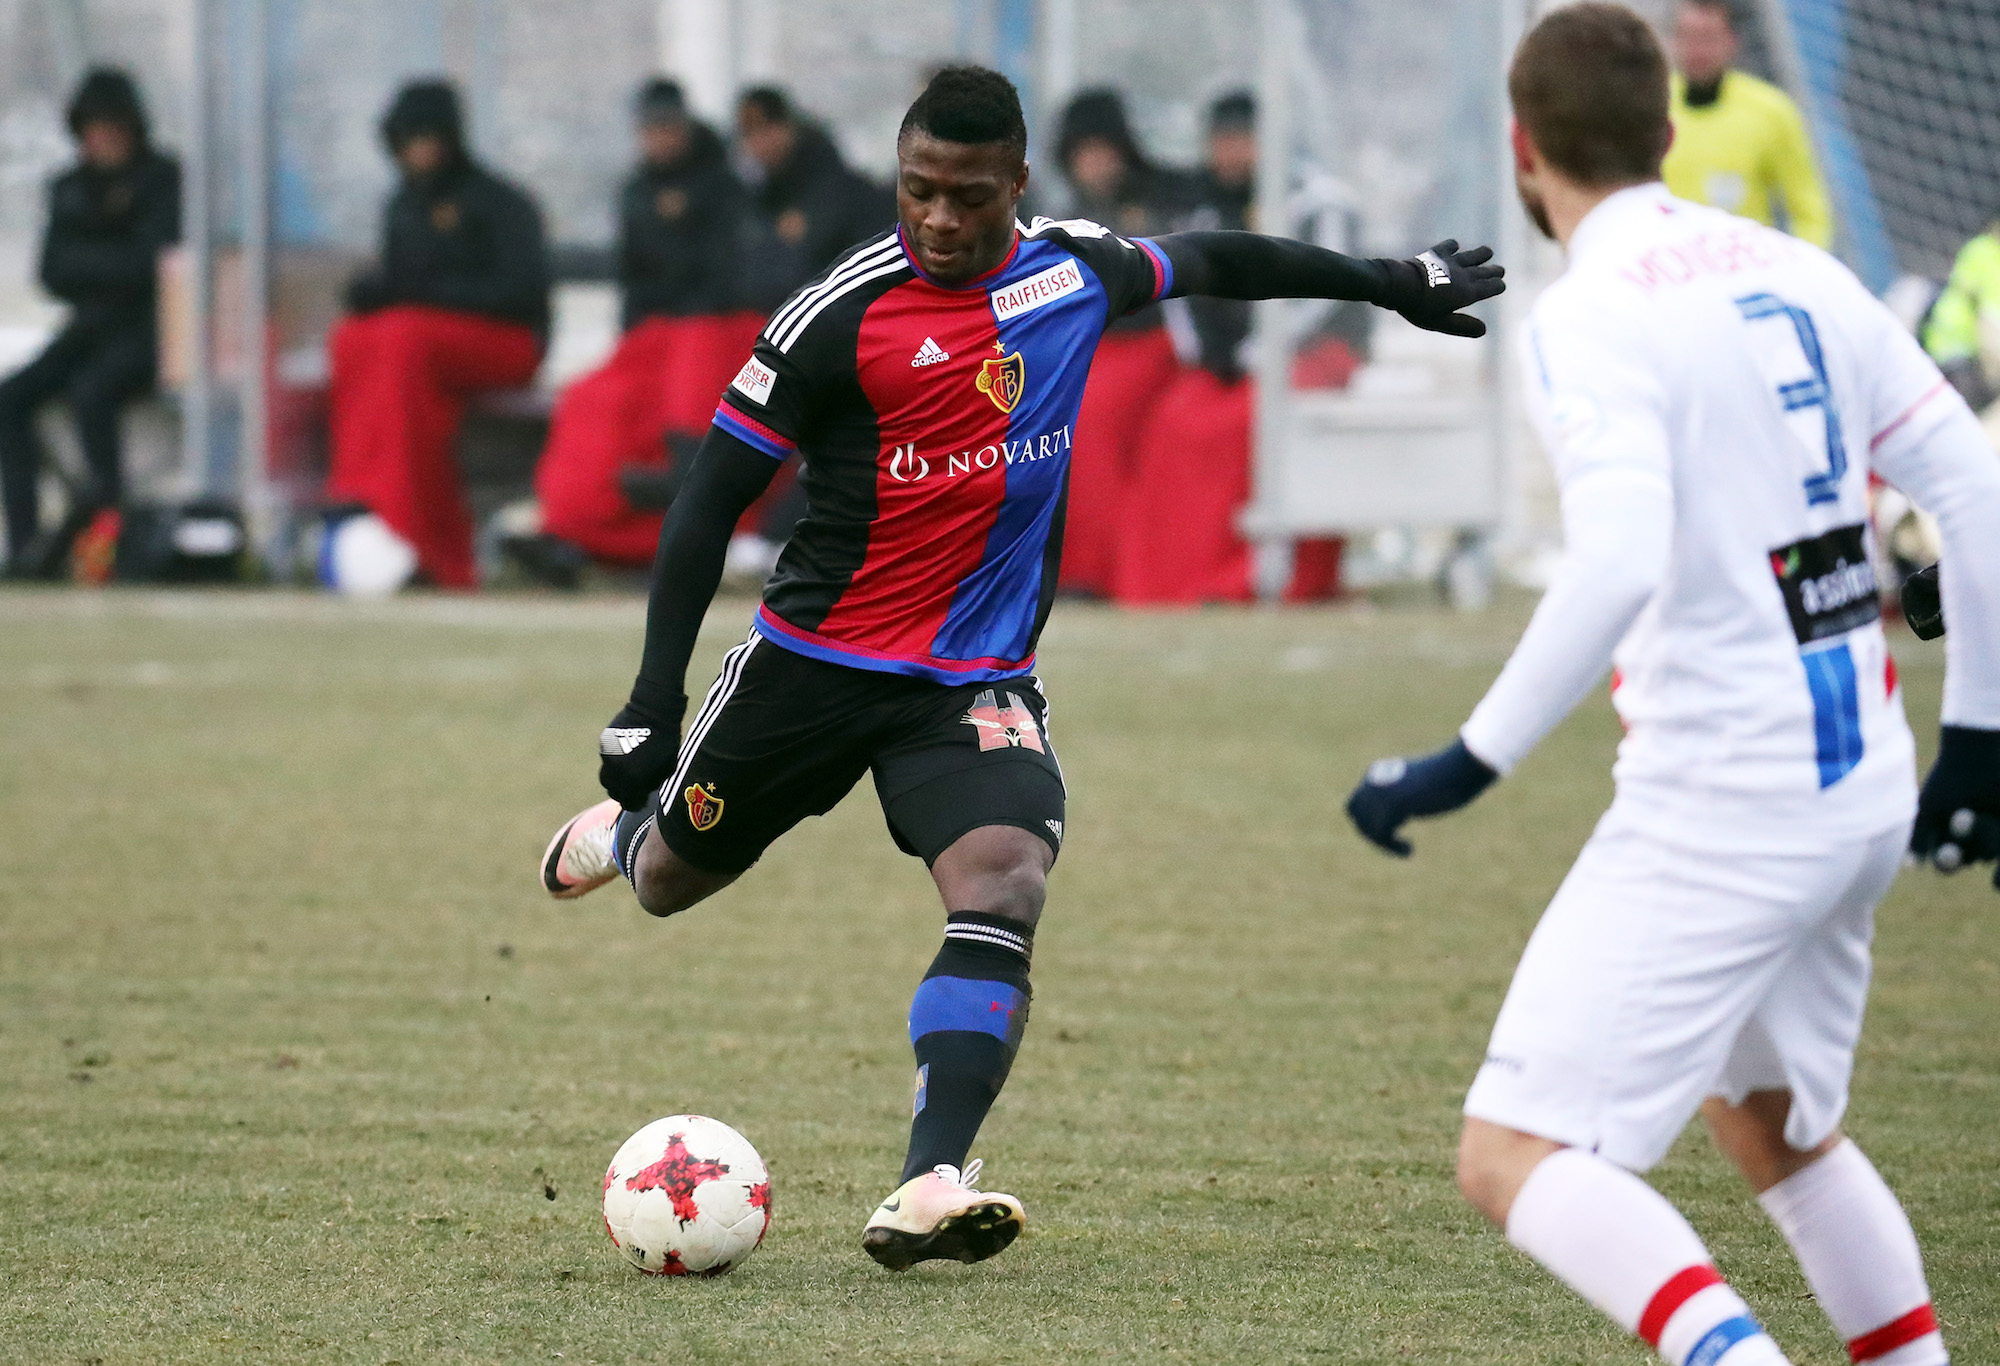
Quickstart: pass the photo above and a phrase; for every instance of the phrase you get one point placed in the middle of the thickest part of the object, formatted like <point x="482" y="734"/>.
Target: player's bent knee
<point x="668" y="884"/>
<point x="1494" y="1162"/>
<point x="1752" y="1135"/>
<point x="996" y="870"/>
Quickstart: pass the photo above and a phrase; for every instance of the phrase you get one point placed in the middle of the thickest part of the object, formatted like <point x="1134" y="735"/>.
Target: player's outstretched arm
<point x="1428" y="289"/>
<point x="637" y="750"/>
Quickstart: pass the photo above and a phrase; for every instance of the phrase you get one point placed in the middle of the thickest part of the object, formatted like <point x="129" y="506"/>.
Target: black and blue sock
<point x="966" y="1022"/>
<point x="629" y="831"/>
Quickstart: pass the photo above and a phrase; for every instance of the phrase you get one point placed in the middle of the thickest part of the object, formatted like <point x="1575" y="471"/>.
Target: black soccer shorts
<point x="781" y="737"/>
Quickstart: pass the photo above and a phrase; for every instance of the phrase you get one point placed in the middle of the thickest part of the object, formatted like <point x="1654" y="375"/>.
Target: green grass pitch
<point x="295" y="1052"/>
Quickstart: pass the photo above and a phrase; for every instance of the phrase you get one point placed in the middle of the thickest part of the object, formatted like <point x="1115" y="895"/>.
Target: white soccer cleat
<point x="941" y="1215"/>
<point x="580" y="858"/>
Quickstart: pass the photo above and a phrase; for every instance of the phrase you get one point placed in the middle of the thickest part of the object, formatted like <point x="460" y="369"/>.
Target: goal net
<point x="1904" y="97"/>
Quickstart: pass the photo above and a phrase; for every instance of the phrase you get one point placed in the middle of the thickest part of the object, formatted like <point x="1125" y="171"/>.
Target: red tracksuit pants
<point x="1126" y="379"/>
<point x="667" y="375"/>
<point x="1178" y="543"/>
<point x="400" y="380"/>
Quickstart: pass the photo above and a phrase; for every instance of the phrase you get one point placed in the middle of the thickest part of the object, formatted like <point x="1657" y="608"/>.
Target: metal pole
<point x="1056" y="81"/>
<point x="1276" y="148"/>
<point x="197" y="401"/>
<point x="1513" y="247"/>
<point x="253" y="385"/>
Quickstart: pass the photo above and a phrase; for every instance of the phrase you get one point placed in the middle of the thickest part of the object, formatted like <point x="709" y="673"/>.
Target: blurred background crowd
<point x="506" y="384"/>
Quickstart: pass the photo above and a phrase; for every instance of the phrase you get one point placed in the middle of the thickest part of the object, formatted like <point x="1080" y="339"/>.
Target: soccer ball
<point x="686" y="1196"/>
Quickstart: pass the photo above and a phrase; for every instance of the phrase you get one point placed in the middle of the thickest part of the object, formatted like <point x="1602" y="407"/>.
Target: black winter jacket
<point x="678" y="229"/>
<point x="463" y="239"/>
<point x="1220" y="325"/>
<point x="101" y="249"/>
<point x="805" y="214"/>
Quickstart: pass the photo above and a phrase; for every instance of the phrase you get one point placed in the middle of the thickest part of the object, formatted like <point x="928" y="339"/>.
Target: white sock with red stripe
<point x="1860" y="1257"/>
<point x="1617" y="1242"/>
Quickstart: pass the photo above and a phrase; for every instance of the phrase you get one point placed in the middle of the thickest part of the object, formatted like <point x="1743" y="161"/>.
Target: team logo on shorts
<point x="1003" y="378"/>
<point x="1004" y="727"/>
<point x="704" y="807"/>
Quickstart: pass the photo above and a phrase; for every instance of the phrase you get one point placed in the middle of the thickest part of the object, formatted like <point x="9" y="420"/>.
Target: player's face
<point x="956" y="202"/>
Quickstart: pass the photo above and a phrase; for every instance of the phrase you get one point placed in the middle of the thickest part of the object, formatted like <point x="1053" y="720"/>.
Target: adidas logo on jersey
<point x="930" y="353"/>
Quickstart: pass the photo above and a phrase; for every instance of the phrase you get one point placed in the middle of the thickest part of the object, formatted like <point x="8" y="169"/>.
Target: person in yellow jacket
<point x="1739" y="143"/>
<point x="1962" y="332"/>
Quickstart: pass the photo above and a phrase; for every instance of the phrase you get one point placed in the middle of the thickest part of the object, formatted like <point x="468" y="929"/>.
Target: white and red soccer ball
<point x="687" y="1196"/>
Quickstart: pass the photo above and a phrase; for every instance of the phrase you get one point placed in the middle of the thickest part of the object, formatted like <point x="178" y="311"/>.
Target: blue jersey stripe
<point x="994" y="608"/>
<point x="1836" y="695"/>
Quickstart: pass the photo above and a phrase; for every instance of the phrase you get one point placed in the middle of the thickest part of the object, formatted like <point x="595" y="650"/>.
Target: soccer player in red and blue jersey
<point x="930" y="382"/>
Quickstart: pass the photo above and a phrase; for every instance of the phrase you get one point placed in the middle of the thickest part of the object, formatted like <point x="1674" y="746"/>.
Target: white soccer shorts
<point x="1664" y="972"/>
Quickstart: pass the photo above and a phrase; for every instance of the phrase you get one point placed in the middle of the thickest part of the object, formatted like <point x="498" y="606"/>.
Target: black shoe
<point x="548" y="560"/>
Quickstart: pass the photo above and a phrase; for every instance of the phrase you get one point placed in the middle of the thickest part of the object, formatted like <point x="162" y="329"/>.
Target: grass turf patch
<point x="294" y="1046"/>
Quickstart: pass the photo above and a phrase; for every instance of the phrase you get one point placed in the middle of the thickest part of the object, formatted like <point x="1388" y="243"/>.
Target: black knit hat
<point x="660" y="101"/>
<point x="107" y="95"/>
<point x="1235" y="112"/>
<point x="1098" y="113"/>
<point x="429" y="106"/>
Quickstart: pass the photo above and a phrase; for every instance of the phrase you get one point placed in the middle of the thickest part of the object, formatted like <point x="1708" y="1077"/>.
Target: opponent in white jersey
<point x="1713" y="395"/>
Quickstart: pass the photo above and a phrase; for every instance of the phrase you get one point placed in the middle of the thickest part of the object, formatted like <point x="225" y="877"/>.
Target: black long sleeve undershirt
<point x="726" y="478"/>
<point x="1249" y="265"/>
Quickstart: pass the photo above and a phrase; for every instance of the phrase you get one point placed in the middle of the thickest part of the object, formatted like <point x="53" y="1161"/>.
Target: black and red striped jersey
<point x="935" y="424"/>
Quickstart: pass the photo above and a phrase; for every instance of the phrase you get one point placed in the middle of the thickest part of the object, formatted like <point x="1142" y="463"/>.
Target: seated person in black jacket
<point x="458" y="302"/>
<point x="686" y="333"/>
<point x="806" y="204"/>
<point x="109" y="217"/>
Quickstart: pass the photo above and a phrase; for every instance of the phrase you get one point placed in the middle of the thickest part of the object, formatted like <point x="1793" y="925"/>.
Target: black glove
<point x="637" y="751"/>
<point x="1394" y="790"/>
<point x="1430" y="288"/>
<point x="1923" y="605"/>
<point x="1958" y="814"/>
<point x="368" y="292"/>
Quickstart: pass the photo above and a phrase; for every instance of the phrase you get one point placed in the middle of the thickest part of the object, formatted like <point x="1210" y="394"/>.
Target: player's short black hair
<point x="970" y="104"/>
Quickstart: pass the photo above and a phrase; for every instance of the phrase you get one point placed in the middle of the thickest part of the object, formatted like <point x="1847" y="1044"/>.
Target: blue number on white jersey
<point x="1811" y="392"/>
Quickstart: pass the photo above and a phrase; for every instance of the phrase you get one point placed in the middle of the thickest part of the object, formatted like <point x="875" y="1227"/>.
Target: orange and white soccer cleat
<point x="580" y="858"/>
<point x="941" y="1215"/>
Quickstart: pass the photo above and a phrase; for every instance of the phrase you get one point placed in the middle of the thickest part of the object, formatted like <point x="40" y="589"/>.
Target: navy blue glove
<point x="1394" y="790"/>
<point x="1958" y="814"/>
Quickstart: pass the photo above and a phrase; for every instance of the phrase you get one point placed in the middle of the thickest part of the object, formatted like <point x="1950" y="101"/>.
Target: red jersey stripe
<point x="941" y="471"/>
<point x="1908" y="413"/>
<point x="742" y="424"/>
<point x="1919" y="1322"/>
<point x="1163" y="269"/>
<point x="1681" y="1287"/>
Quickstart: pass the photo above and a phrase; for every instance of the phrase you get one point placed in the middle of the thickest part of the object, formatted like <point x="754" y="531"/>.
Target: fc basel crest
<point x="704" y="807"/>
<point x="1002" y="379"/>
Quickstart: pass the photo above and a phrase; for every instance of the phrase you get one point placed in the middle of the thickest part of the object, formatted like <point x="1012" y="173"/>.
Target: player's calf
<point x="1615" y="1241"/>
<point x="1846" y="1227"/>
